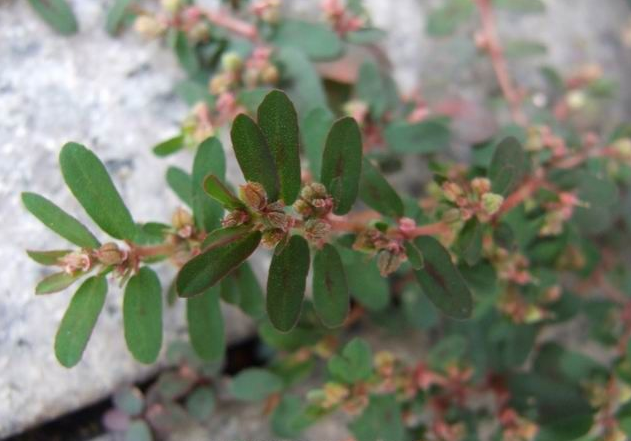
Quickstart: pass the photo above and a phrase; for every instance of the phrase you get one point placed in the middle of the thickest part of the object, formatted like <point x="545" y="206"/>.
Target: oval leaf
<point x="253" y="154"/>
<point x="342" y="163"/>
<point x="209" y="159"/>
<point x="217" y="190"/>
<point x="59" y="221"/>
<point x="279" y="123"/>
<point x="79" y="320"/>
<point x="205" y="324"/>
<point x="47" y="257"/>
<point x="170" y="146"/>
<point x="90" y="183"/>
<point x="181" y="183"/>
<point x="330" y="289"/>
<point x="116" y="16"/>
<point x="208" y="268"/>
<point x="315" y="40"/>
<point x="508" y="166"/>
<point x="377" y="192"/>
<point x="441" y="281"/>
<point x="142" y="315"/>
<point x="315" y="126"/>
<point x="57" y="14"/>
<point x="56" y="282"/>
<point x="251" y="297"/>
<point x="286" y="283"/>
<point x="255" y="384"/>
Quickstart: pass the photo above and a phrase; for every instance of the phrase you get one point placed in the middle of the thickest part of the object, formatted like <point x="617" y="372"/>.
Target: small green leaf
<point x="90" y="183"/>
<point x="441" y="281"/>
<point x="193" y="92"/>
<point x="316" y="40"/>
<point x="224" y="236"/>
<point x="342" y="163"/>
<point x="366" y="36"/>
<point x="279" y="123"/>
<point x="503" y="236"/>
<point x="369" y="81"/>
<point x="205" y="324"/>
<point x="56" y="282"/>
<point x="566" y="429"/>
<point x="253" y="154"/>
<point x="129" y="400"/>
<point x="59" y="221"/>
<point x="315" y="127"/>
<point x="330" y="290"/>
<point x="424" y="137"/>
<point x="251" y="297"/>
<point x="381" y="421"/>
<point x="508" y="166"/>
<point x="217" y="190"/>
<point x="291" y="417"/>
<point x="286" y="283"/>
<point x="251" y="99"/>
<point x="142" y="315"/>
<point x="208" y="268"/>
<point x="57" y="14"/>
<point x="255" y="384"/>
<point x="181" y="183"/>
<point x="209" y="159"/>
<point x="201" y="403"/>
<point x="116" y="16"/>
<point x="414" y="255"/>
<point x="170" y="146"/>
<point x="523" y="49"/>
<point x="367" y="286"/>
<point x="47" y="258"/>
<point x="469" y="242"/>
<point x="138" y="430"/>
<point x="444" y="20"/>
<point x="79" y="320"/>
<point x="186" y="54"/>
<point x="521" y="6"/>
<point x="377" y="193"/>
<point x="354" y="364"/>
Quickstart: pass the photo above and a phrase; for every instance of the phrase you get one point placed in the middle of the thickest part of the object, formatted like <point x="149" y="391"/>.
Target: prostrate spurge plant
<point x="525" y="237"/>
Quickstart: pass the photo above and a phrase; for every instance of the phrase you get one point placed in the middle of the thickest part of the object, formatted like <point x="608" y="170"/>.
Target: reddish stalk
<point x="232" y="24"/>
<point x="496" y="53"/>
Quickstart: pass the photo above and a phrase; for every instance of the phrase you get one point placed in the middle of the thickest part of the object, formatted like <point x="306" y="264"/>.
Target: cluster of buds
<point x="182" y="222"/>
<point x="330" y="396"/>
<point x="197" y="126"/>
<point x="76" y="261"/>
<point x="519" y="310"/>
<point x="558" y="213"/>
<point x="516" y="427"/>
<point x="341" y="19"/>
<point x="390" y="252"/>
<point x="111" y="254"/>
<point x="542" y="138"/>
<point x="511" y="266"/>
<point x="472" y="199"/>
<point x="150" y="26"/>
<point x="267" y="11"/>
<point x="314" y="205"/>
<point x="258" y="70"/>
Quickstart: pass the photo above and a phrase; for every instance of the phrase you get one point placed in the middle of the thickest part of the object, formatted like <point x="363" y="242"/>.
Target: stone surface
<point x="115" y="96"/>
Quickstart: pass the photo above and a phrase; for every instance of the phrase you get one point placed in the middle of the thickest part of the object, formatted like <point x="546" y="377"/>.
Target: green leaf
<point x="255" y="384"/>
<point x="428" y="136"/>
<point x="315" y="127"/>
<point x="217" y="190"/>
<point x="59" y="221"/>
<point x="567" y="429"/>
<point x="342" y="163"/>
<point x="181" y="183"/>
<point x="224" y="236"/>
<point x="414" y="255"/>
<point x="291" y="417"/>
<point x="208" y="268"/>
<point x="58" y="15"/>
<point x="444" y="20"/>
<point x="193" y="92"/>
<point x="508" y="166"/>
<point x="142" y="315"/>
<point x="469" y="243"/>
<point x="205" y="324"/>
<point x="441" y="281"/>
<point x="381" y="421"/>
<point x="366" y="36"/>
<point x="138" y="430"/>
<point x="369" y="81"/>
<point x="521" y="6"/>
<point x="523" y="49"/>
<point x="314" y="39"/>
<point x="209" y="159"/>
<point x="56" y="282"/>
<point x="90" y="183"/>
<point x="201" y="403"/>
<point x="286" y="283"/>
<point x="377" y="193"/>
<point x="354" y="364"/>
<point x="116" y="16"/>
<point x="503" y="236"/>
<point x="170" y="146"/>
<point x="253" y="154"/>
<point x="251" y="99"/>
<point x="330" y="290"/>
<point x="79" y="320"/>
<point x="48" y="258"/>
<point x="279" y="123"/>
<point x="251" y="297"/>
<point x="367" y="286"/>
<point x="186" y="55"/>
<point x="305" y="85"/>
<point x="129" y="400"/>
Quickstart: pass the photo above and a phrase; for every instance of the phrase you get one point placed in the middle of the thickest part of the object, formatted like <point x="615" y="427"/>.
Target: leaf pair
<point x="268" y="152"/>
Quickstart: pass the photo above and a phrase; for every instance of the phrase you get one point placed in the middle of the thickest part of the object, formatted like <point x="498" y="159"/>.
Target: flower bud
<point x="384" y="362"/>
<point x="269" y="74"/>
<point x="452" y="191"/>
<point x="253" y="195"/>
<point x="219" y="84"/>
<point x="623" y="148"/>
<point x="110" y="254"/>
<point x="75" y="261"/>
<point x="451" y="216"/>
<point x="388" y="262"/>
<point x="481" y="185"/>
<point x="231" y="62"/>
<point x="491" y="203"/>
<point x="576" y="99"/>
<point x="277" y="220"/>
<point x="303" y="208"/>
<point x="199" y="32"/>
<point x="235" y="218"/>
<point x="334" y="394"/>
<point x="148" y="26"/>
<point x="181" y="218"/>
<point x="271" y="238"/>
<point x="171" y="6"/>
<point x="316" y="230"/>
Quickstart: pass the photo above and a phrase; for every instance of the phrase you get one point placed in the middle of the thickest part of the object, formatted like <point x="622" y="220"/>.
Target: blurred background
<point x="115" y="95"/>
